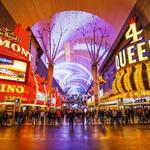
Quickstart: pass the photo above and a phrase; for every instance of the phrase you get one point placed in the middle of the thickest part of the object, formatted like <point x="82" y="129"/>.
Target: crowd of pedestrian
<point x="109" y="116"/>
<point x="39" y="117"/>
<point x="124" y="116"/>
<point x="79" y="117"/>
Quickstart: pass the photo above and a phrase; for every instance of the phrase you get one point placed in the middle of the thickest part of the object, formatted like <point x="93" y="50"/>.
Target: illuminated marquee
<point x="40" y="96"/>
<point x="12" y="69"/>
<point x="133" y="64"/>
<point x="136" y="51"/>
<point x="9" y="40"/>
<point x="4" y="32"/>
<point x="11" y="89"/>
<point x="134" y="79"/>
<point x="14" y="98"/>
<point x="15" y="47"/>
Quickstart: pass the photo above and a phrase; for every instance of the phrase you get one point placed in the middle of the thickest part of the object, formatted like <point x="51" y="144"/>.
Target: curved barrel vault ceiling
<point x="78" y="68"/>
<point x="28" y="12"/>
<point x="75" y="76"/>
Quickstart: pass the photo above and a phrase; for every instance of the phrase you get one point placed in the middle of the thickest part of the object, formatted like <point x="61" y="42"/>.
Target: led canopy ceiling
<point x="72" y="64"/>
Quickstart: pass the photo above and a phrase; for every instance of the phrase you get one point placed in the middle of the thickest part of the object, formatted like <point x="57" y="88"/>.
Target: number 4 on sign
<point x="133" y="33"/>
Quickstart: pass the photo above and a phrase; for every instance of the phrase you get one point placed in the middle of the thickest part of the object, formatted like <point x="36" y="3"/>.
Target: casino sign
<point x="16" y="73"/>
<point x="132" y="78"/>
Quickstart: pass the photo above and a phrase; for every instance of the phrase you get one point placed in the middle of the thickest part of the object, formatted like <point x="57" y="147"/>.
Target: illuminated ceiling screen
<point x="11" y="69"/>
<point x="72" y="64"/>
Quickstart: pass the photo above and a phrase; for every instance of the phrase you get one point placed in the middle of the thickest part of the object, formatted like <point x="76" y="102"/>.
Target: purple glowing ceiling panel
<point x="72" y="64"/>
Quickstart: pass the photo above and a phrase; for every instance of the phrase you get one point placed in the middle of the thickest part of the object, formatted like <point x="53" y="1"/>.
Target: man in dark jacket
<point x="71" y="117"/>
<point x="20" y="117"/>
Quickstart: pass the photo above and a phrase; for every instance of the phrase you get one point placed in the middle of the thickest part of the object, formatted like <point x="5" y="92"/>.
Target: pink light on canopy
<point x="79" y="60"/>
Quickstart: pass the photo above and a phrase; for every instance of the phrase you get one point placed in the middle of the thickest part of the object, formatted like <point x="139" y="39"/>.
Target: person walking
<point x="1" y="117"/>
<point x="82" y="117"/>
<point x="42" y="115"/>
<point x="114" y="113"/>
<point x="101" y="116"/>
<point x="93" y="113"/>
<point x="132" y="115"/>
<point x="58" y="117"/>
<point x="71" y="116"/>
<point x="35" y="117"/>
<point x="49" y="115"/>
<point x="53" y="115"/>
<point x="119" y="116"/>
<point x="20" y="117"/>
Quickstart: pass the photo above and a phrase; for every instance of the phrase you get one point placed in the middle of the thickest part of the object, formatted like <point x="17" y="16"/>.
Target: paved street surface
<point x="81" y="138"/>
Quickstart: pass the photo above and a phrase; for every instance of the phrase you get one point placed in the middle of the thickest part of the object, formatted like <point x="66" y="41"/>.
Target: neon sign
<point x="136" y="51"/>
<point x="12" y="69"/>
<point x="15" y="47"/>
<point x="5" y="60"/>
<point x="40" y="96"/>
<point x="11" y="88"/>
<point x="133" y="80"/>
<point x="14" y="98"/>
<point x="4" y="32"/>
